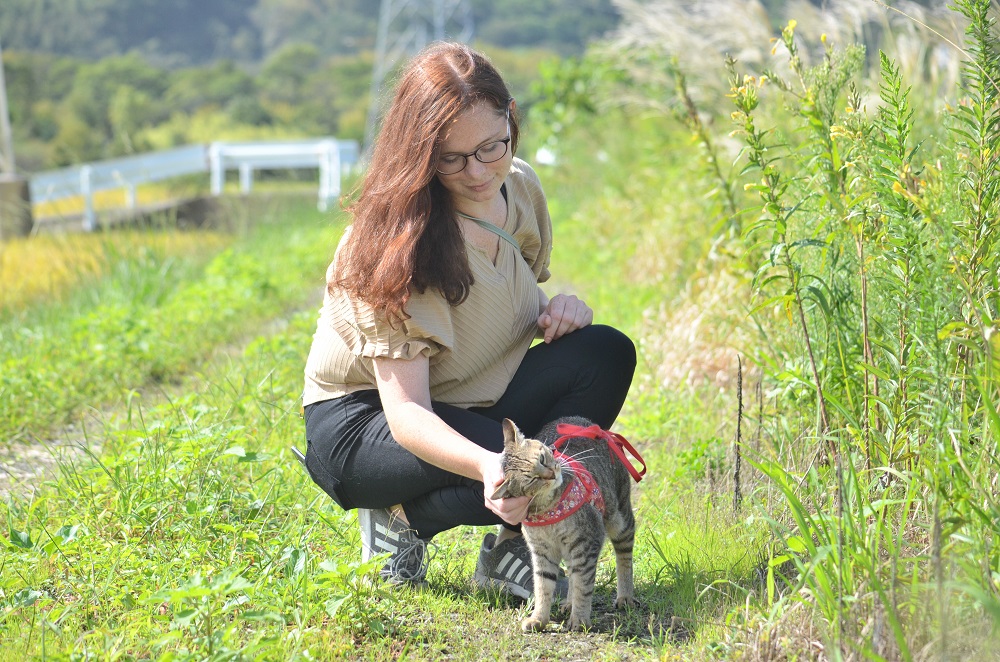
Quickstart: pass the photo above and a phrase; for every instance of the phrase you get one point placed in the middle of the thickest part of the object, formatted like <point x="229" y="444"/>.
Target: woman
<point x="432" y="304"/>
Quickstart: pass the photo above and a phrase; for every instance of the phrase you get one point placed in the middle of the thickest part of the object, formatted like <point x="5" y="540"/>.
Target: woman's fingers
<point x="563" y="314"/>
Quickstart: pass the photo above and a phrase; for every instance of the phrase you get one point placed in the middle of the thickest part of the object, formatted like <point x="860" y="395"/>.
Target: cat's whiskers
<point x="564" y="464"/>
<point x="581" y="455"/>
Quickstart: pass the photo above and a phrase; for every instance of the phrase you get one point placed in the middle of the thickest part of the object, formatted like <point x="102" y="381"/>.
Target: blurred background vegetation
<point x="92" y="79"/>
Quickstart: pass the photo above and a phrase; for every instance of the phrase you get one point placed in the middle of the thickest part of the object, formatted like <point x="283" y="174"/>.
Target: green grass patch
<point x="152" y="318"/>
<point x="181" y="527"/>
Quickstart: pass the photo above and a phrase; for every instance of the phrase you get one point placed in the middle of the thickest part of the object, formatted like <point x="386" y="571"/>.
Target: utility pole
<point x="7" y="166"/>
<point x="405" y="27"/>
<point x="15" y="195"/>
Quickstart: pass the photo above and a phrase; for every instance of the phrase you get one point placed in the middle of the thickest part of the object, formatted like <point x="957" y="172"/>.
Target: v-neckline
<point x="495" y="261"/>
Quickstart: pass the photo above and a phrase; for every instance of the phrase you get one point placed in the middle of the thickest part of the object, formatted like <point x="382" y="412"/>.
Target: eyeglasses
<point x="452" y="164"/>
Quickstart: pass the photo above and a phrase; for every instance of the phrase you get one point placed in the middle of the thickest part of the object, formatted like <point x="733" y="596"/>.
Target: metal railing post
<point x="329" y="174"/>
<point x="89" y="222"/>
<point x="246" y="177"/>
<point x="218" y="171"/>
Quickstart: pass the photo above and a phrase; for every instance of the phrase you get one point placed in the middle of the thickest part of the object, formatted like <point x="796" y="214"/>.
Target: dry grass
<point x="696" y="339"/>
<point x="696" y="28"/>
<point x="49" y="266"/>
<point x="701" y="33"/>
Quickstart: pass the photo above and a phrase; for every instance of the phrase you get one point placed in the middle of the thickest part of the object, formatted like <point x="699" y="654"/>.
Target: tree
<point x="182" y="31"/>
<point x="563" y="25"/>
<point x="334" y="26"/>
<point x="90" y="104"/>
<point x="193" y="87"/>
<point x="129" y="111"/>
<point x="284" y="74"/>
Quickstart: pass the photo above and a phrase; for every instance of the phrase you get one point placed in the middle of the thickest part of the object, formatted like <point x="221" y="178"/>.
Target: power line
<point x="405" y="27"/>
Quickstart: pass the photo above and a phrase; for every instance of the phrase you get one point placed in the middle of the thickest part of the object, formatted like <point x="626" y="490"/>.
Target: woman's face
<point x="475" y="129"/>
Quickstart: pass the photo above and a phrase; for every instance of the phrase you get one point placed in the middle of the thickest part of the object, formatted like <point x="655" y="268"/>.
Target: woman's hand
<point x="512" y="510"/>
<point x="564" y="313"/>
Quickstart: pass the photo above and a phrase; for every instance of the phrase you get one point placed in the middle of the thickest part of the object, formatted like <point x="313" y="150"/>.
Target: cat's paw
<point x="626" y="601"/>
<point x="532" y="624"/>
<point x="575" y="624"/>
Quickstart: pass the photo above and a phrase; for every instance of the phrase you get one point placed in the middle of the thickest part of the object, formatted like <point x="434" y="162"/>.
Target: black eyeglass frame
<point x="465" y="157"/>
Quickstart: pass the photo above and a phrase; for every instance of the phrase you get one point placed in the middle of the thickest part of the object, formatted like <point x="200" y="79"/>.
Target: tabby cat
<point x="583" y="474"/>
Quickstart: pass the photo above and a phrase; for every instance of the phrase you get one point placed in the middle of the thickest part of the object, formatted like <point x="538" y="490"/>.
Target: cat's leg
<point x="621" y="530"/>
<point x="545" y="565"/>
<point x="581" y="566"/>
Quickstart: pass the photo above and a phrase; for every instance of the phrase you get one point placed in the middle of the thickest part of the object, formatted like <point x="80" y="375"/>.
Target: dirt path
<point x="25" y="465"/>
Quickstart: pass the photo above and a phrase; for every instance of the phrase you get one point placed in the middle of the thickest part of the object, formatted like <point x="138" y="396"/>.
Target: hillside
<point x="200" y="32"/>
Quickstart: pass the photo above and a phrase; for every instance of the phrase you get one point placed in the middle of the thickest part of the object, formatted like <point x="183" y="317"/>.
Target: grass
<point x="826" y="306"/>
<point x="110" y="199"/>
<point x="148" y="320"/>
<point x="50" y="266"/>
<point x="178" y="525"/>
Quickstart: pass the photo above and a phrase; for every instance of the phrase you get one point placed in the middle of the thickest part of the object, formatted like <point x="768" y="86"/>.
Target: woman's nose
<point x="474" y="166"/>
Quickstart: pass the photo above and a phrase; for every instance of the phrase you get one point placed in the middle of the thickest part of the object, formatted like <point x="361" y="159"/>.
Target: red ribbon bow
<point x="617" y="443"/>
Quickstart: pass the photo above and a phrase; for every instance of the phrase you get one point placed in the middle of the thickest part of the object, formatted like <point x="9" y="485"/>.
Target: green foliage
<point x="874" y="318"/>
<point x="285" y="73"/>
<point x="180" y="527"/>
<point x="194" y="32"/>
<point x="888" y="269"/>
<point x="191" y="88"/>
<point x="566" y="26"/>
<point x="109" y="102"/>
<point x="101" y="78"/>
<point x="337" y="27"/>
<point x="565" y="93"/>
<point x="186" y="30"/>
<point x="976" y="127"/>
<point x="137" y="330"/>
<point x="869" y="524"/>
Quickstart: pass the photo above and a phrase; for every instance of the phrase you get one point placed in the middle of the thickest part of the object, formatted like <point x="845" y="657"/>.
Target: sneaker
<point x="383" y="533"/>
<point x="508" y="567"/>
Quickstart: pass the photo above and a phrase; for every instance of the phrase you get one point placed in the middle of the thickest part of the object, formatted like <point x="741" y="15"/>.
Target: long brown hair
<point x="405" y="236"/>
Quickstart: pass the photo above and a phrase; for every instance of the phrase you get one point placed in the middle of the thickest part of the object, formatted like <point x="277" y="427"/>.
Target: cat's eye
<point x="547" y="464"/>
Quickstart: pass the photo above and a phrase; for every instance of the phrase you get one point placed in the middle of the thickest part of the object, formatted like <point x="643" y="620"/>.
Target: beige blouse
<point x="473" y="348"/>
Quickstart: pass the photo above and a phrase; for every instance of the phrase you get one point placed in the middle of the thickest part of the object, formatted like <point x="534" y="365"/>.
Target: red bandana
<point x="582" y="487"/>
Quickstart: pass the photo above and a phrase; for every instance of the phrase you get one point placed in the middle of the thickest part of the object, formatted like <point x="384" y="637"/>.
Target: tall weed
<point x="886" y="264"/>
<point x="867" y="200"/>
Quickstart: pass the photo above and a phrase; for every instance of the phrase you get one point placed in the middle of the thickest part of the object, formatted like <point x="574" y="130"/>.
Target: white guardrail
<point x="331" y="156"/>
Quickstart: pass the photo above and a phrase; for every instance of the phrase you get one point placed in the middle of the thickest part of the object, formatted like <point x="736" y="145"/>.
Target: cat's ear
<point x="502" y="492"/>
<point x="511" y="435"/>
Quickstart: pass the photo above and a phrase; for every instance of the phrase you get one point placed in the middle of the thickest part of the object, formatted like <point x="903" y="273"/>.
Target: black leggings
<point x="353" y="457"/>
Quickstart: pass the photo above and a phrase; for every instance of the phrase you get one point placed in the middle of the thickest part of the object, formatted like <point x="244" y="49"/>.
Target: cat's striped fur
<point x="531" y="469"/>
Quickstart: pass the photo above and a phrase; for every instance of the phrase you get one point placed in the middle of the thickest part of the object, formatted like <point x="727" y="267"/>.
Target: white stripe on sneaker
<point x="504" y="562"/>
<point x="512" y="568"/>
<point x="387" y="541"/>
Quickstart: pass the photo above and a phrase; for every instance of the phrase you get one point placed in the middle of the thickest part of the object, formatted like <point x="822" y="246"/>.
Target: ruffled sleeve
<point x="428" y="331"/>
